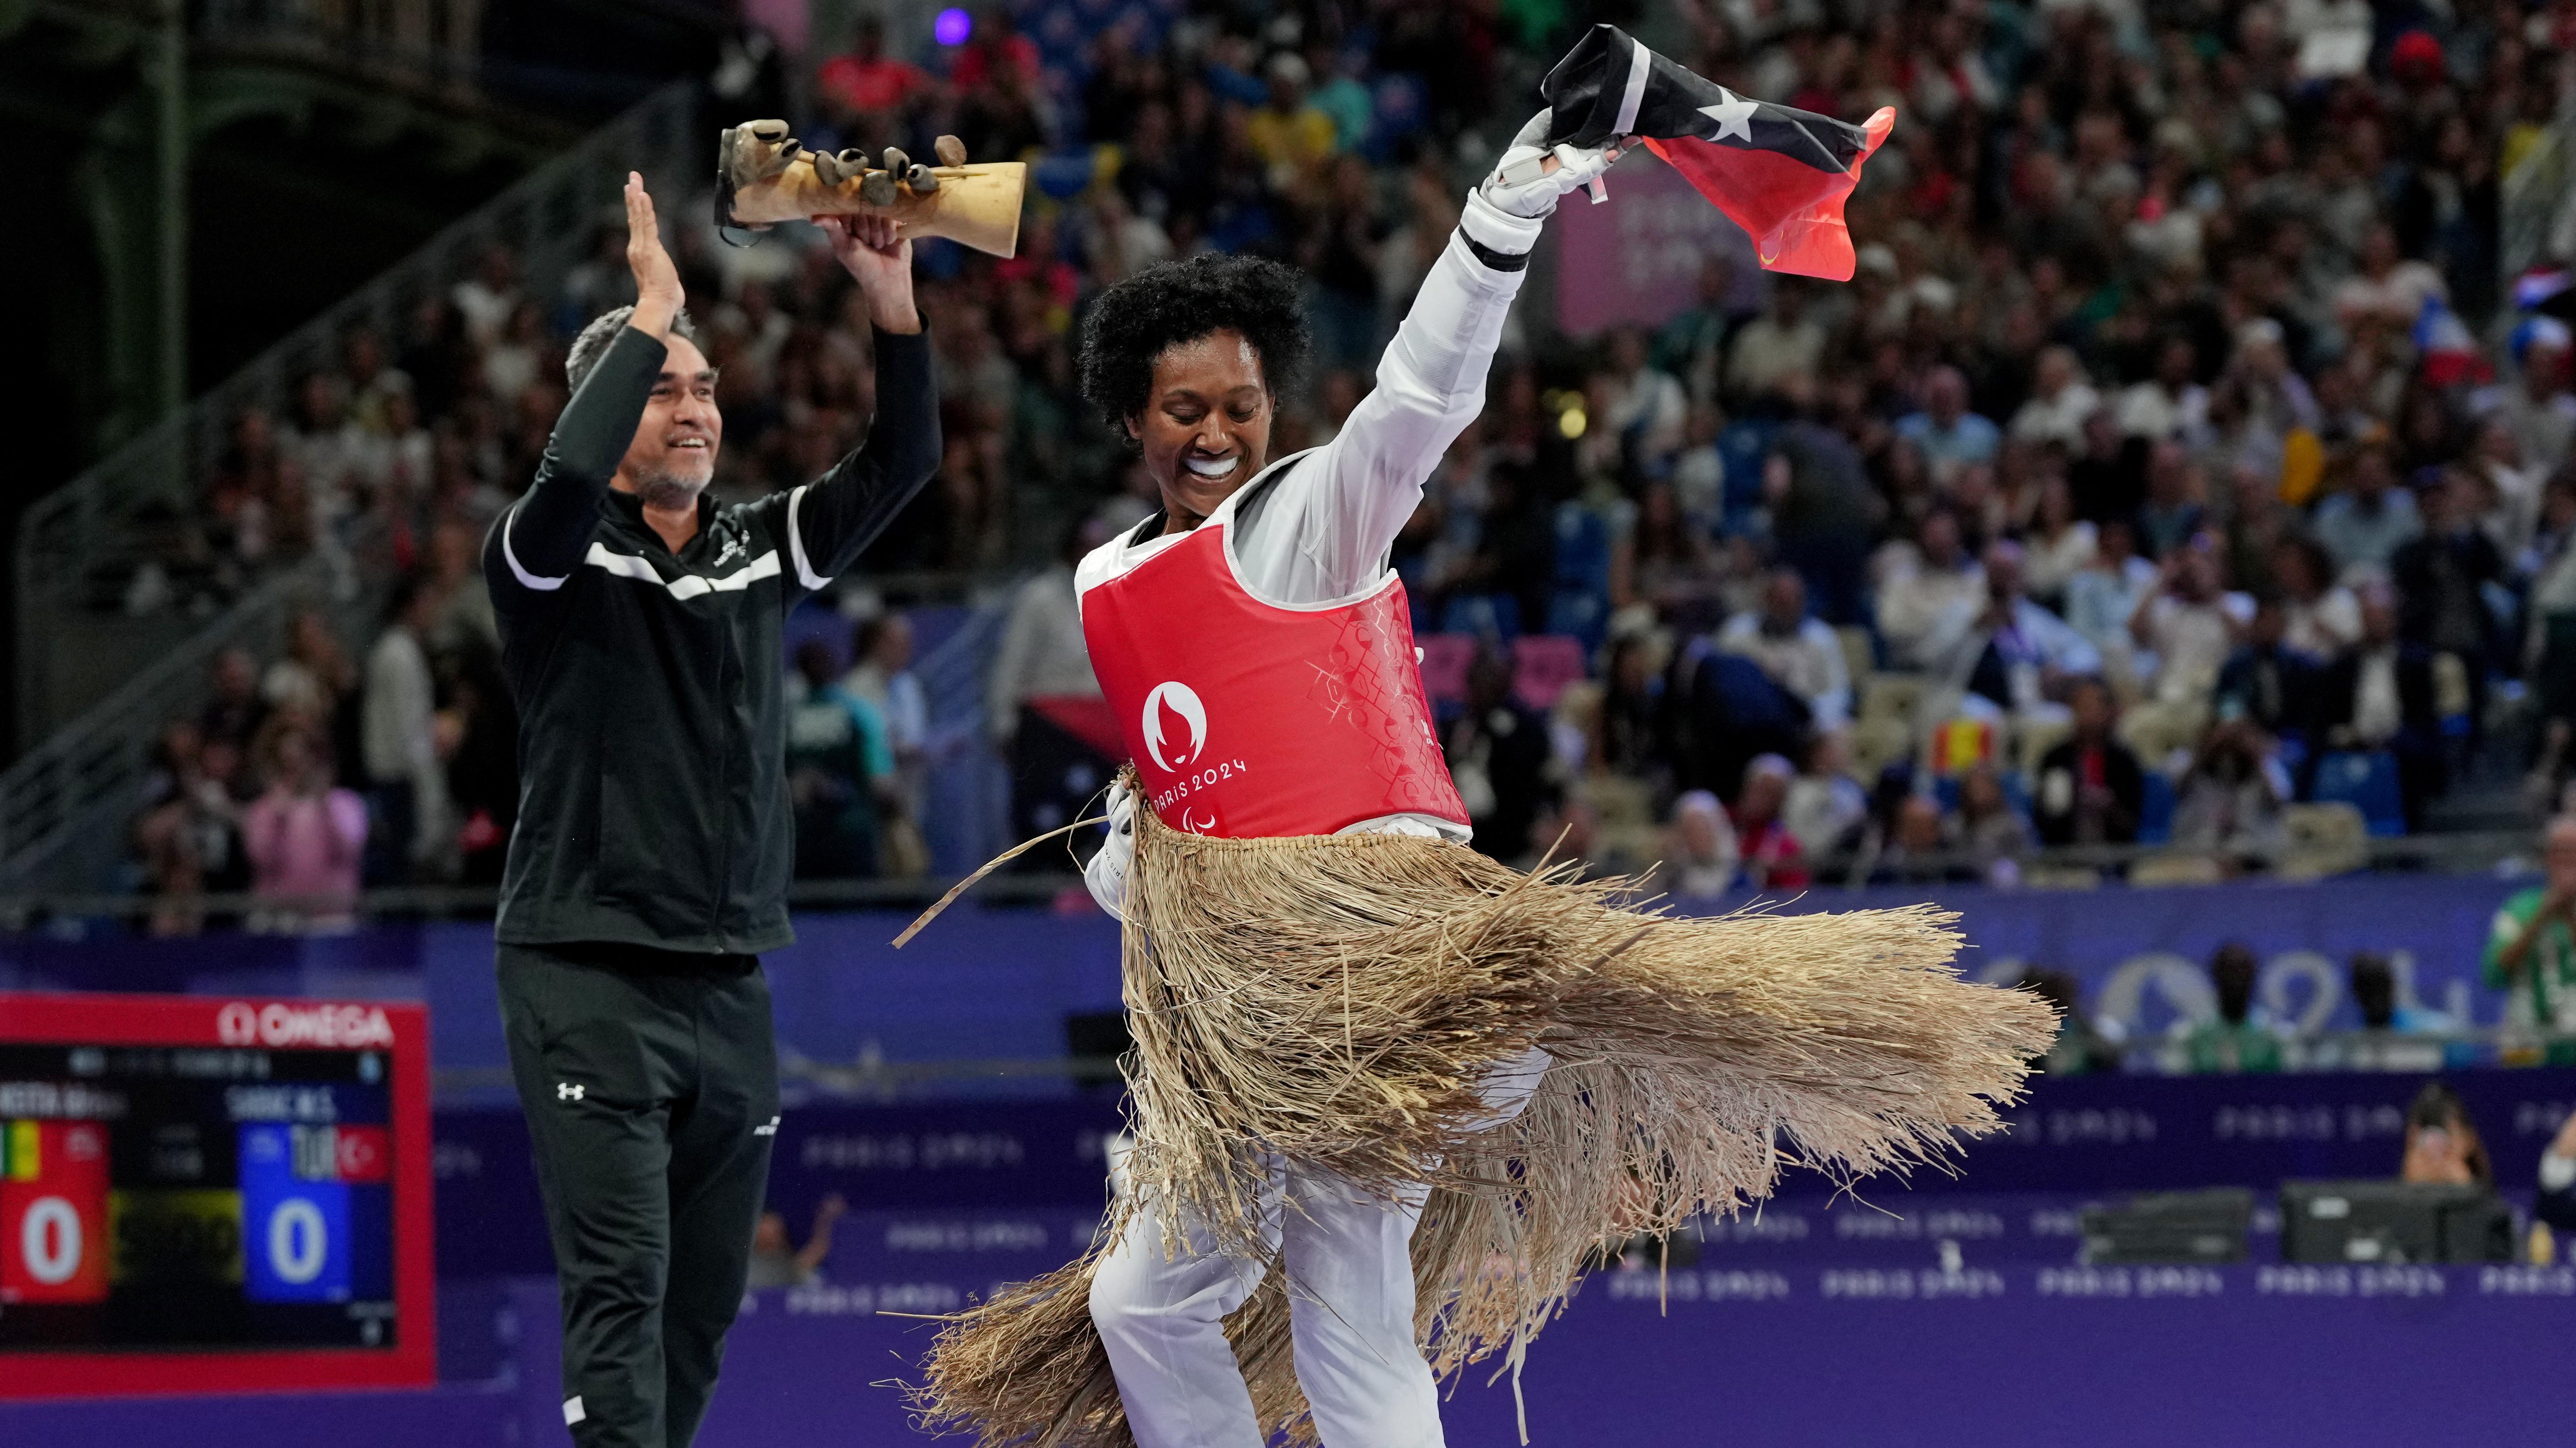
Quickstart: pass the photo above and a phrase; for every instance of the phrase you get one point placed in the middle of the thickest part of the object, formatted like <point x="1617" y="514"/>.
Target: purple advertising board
<point x="1636" y="262"/>
<point x="997" y="984"/>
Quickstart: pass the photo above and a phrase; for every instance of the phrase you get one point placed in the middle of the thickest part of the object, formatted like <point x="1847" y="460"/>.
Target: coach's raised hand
<point x="874" y="251"/>
<point x="657" y="282"/>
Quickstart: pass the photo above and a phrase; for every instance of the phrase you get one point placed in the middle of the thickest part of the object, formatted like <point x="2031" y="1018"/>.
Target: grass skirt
<point x="1335" y="1001"/>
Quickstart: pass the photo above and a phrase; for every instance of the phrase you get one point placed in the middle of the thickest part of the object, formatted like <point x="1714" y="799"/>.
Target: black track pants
<point x="651" y="1086"/>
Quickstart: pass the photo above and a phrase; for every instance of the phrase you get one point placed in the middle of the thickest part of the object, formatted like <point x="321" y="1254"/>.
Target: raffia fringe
<point x="1336" y="1001"/>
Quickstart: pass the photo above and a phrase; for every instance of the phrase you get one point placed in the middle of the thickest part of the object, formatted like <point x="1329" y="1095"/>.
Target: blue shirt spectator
<point x="1948" y="434"/>
<point x="2364" y="526"/>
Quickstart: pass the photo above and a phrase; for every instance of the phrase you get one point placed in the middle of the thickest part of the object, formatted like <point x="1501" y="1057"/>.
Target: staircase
<point x="96" y="683"/>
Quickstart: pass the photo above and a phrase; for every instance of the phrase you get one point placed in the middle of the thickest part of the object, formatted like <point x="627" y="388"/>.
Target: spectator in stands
<point x="2374" y="997"/>
<point x="2442" y="577"/>
<point x="2235" y="1039"/>
<point x="2060" y="400"/>
<point x="186" y="837"/>
<point x="2091" y="790"/>
<point x="2169" y="405"/>
<point x="1040" y="695"/>
<point x="840" y="766"/>
<point x="2364" y="525"/>
<point x="1801" y="653"/>
<point x="778" y="1262"/>
<point x="2081" y="1050"/>
<point x="313" y="676"/>
<point x="1918" y="846"/>
<point x="234" y="709"/>
<point x="305" y="837"/>
<point x="1826" y="808"/>
<point x="2379" y="695"/>
<point x="2319" y="617"/>
<point x="1647" y="408"/>
<point x="1699" y="471"/>
<point x="1514" y="555"/>
<point x="2191" y="624"/>
<point x="2058" y="545"/>
<point x="1991" y="832"/>
<point x="1823" y="511"/>
<point x="512" y="364"/>
<point x="866" y="93"/>
<point x="1632" y="725"/>
<point x="2271" y="398"/>
<point x="1664" y="562"/>
<point x="2266" y="681"/>
<point x="2531" y="946"/>
<point x="1948" y="434"/>
<point x="1693" y="345"/>
<point x="1500" y="760"/>
<point x="1780" y="345"/>
<point x="2540" y="409"/>
<point x="2389" y="289"/>
<point x="2105" y="594"/>
<point x="1288" y="133"/>
<point x="2230" y="801"/>
<point x="486" y="299"/>
<point x="881" y="677"/>
<point x="2556" y="1201"/>
<point x="2174" y="509"/>
<point x="407" y="813"/>
<point x="2006" y="650"/>
<point x="1774" y="859"/>
<point x="1701" y="856"/>
<point x="2443" y="1146"/>
<point x="1923" y="584"/>
<point x="2109" y="475"/>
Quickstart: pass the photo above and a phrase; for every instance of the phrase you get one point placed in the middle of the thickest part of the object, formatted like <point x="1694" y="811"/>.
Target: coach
<point x="640" y="628"/>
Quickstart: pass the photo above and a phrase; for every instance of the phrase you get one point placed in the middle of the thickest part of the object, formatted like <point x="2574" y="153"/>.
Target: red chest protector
<point x="1247" y="719"/>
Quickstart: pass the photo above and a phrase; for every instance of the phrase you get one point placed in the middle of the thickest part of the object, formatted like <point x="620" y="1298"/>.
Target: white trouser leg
<point x="1350" y="1295"/>
<point x="1350" y="1275"/>
<point x="1350" y="1310"/>
<point x="1163" y="1323"/>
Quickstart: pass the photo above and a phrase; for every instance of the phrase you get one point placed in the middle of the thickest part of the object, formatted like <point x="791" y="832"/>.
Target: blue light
<point x="952" y="27"/>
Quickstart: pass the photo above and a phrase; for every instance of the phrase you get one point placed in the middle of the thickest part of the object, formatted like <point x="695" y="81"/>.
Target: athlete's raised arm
<point x="1431" y="382"/>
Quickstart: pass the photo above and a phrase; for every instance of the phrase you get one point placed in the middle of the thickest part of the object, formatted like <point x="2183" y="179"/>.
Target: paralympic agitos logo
<point x="1173" y="708"/>
<point x="1181" y="702"/>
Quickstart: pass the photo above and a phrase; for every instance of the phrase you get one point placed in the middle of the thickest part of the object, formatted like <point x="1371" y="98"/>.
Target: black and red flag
<point x="1781" y="174"/>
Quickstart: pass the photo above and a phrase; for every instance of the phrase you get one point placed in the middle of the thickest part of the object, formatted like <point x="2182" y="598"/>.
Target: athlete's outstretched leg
<point x="1163" y="1323"/>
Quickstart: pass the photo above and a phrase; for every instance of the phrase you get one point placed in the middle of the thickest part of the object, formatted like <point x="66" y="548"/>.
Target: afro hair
<point x="1182" y="301"/>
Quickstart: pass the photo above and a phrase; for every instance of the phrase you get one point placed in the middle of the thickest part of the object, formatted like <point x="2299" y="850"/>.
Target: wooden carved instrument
<point x="764" y="176"/>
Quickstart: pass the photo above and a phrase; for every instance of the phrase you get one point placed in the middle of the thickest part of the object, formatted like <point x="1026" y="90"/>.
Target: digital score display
<point x="199" y="1195"/>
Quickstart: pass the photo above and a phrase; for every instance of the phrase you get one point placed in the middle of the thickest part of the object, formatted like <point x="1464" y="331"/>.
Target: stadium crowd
<point x="2176" y="456"/>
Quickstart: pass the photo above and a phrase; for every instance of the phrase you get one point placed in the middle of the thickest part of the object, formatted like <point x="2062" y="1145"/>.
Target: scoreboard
<point x="204" y="1195"/>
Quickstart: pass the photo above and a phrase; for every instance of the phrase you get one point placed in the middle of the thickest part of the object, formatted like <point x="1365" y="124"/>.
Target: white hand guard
<point x="1520" y="186"/>
<point x="1106" y="875"/>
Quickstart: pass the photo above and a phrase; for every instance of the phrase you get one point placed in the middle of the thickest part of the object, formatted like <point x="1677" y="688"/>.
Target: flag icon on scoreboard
<point x="53" y="1212"/>
<point x="1781" y="174"/>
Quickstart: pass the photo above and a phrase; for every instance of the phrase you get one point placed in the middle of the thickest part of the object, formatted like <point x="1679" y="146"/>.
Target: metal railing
<point x="95" y="684"/>
<point x="32" y="909"/>
<point x="413" y="43"/>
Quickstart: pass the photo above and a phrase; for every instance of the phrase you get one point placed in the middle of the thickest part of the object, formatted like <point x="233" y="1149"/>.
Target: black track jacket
<point x="652" y="740"/>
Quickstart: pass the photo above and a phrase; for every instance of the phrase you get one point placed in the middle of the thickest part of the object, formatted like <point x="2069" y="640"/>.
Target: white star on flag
<point x="1734" y="116"/>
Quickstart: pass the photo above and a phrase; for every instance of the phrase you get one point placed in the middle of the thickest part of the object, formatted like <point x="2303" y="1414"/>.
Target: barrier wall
<point x="996" y="984"/>
<point x="2074" y="1137"/>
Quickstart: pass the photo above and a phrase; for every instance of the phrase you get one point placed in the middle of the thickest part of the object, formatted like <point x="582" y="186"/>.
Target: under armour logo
<point x="568" y="1091"/>
<point x="766" y="1128"/>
